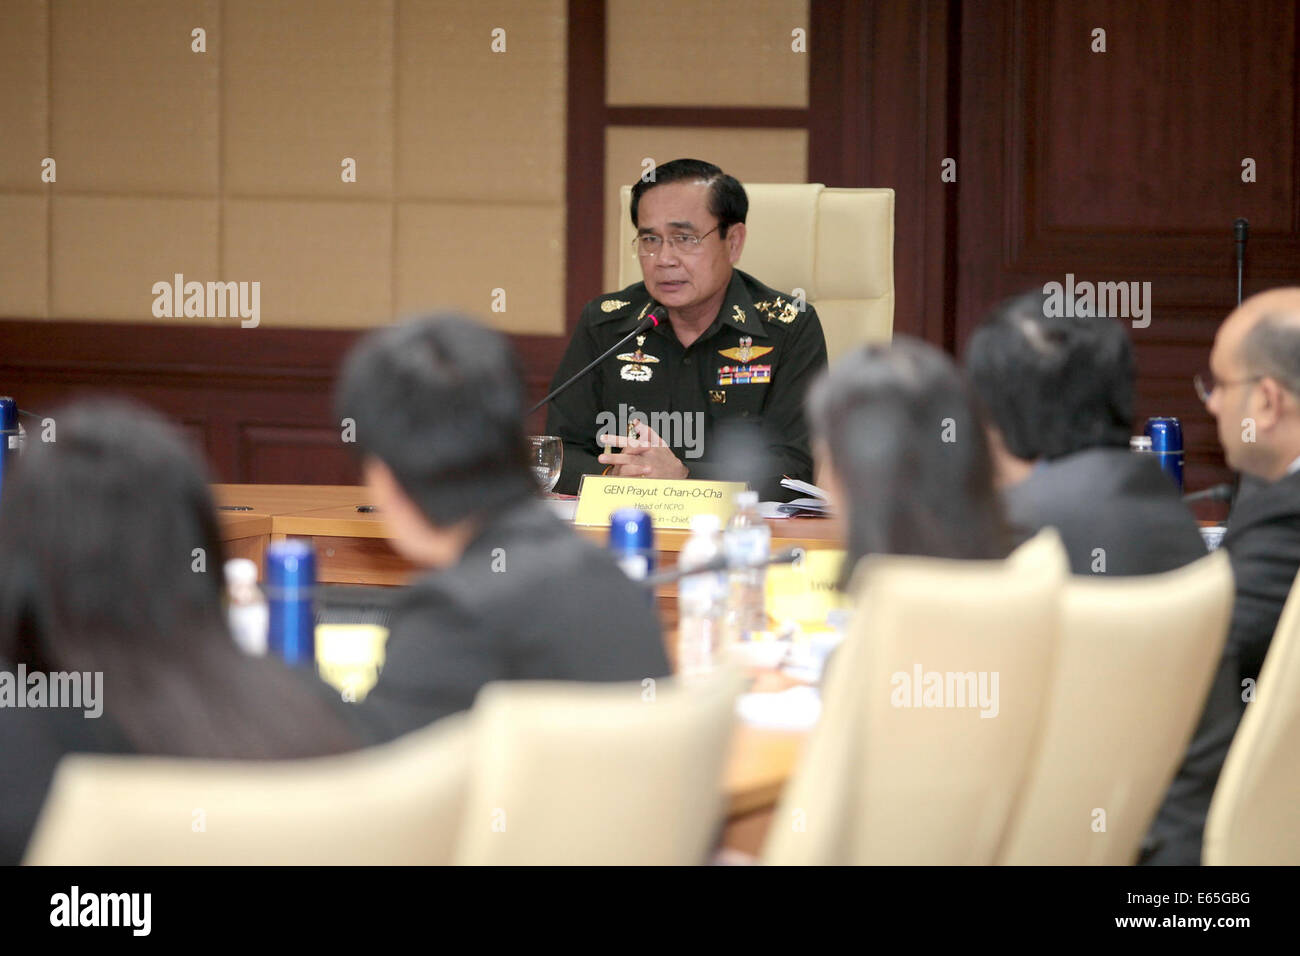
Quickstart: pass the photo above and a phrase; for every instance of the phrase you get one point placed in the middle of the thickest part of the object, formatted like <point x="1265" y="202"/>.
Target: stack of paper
<point x="814" y="501"/>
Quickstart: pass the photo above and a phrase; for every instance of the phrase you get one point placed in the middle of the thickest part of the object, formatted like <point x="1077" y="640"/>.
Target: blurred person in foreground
<point x="111" y="565"/>
<point x="1059" y="396"/>
<point x="512" y="592"/>
<point x="904" y="455"/>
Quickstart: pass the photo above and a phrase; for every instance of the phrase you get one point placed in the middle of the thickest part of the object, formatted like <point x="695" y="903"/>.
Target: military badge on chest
<point x="638" y="368"/>
<point x="743" y="372"/>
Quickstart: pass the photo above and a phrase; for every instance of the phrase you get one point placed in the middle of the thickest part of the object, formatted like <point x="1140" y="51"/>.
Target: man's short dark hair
<point x="1272" y="349"/>
<point x="1052" y="385"/>
<point x="727" y="200"/>
<point x="439" y="401"/>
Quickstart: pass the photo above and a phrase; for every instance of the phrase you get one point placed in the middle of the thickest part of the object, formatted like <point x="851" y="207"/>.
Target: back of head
<point x="111" y="562"/>
<point x="909" y="452"/>
<point x="728" y="201"/>
<point x="1052" y="385"/>
<point x="439" y="401"/>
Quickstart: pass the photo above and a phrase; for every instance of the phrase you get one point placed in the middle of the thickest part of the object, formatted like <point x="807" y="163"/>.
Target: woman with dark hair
<point x="904" y="455"/>
<point x="110" y="563"/>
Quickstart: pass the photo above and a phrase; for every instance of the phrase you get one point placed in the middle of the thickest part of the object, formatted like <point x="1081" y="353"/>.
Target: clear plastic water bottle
<point x="246" y="607"/>
<point x="747" y="541"/>
<point x="701" y="600"/>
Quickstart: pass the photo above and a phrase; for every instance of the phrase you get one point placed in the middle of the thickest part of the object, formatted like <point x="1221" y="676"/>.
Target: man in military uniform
<point x="716" y="390"/>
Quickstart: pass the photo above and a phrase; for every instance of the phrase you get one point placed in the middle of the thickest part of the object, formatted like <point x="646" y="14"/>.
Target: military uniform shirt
<point x="730" y="406"/>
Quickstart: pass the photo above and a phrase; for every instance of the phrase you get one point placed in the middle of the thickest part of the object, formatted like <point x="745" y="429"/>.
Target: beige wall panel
<point x="134" y="109"/>
<point x="453" y="255"/>
<point x="477" y="124"/>
<point x="307" y="83"/>
<point x="24" y="94"/>
<point x="705" y="53"/>
<point x="24" y="256"/>
<point x="108" y="253"/>
<point x="325" y="264"/>
<point x="751" y="155"/>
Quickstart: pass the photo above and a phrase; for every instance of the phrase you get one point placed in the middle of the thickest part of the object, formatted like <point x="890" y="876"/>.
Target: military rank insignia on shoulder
<point x="779" y="309"/>
<point x="613" y="305"/>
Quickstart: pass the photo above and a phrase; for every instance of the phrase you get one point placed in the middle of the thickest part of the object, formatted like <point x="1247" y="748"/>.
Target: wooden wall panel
<point x="1126" y="166"/>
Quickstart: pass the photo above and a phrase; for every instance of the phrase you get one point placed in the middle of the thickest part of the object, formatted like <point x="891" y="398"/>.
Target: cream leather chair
<point x="1136" y="660"/>
<point x="882" y="782"/>
<point x="398" y="803"/>
<point x="1255" y="814"/>
<point x="597" y="774"/>
<point x="835" y="244"/>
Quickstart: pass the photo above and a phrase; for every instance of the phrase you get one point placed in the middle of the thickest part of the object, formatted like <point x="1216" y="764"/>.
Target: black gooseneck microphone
<point x="721" y="563"/>
<point x="1240" y="233"/>
<point x="649" y="322"/>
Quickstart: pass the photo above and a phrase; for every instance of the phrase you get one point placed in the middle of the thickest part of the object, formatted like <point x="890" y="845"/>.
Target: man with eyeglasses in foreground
<point x="727" y="370"/>
<point x="1253" y="391"/>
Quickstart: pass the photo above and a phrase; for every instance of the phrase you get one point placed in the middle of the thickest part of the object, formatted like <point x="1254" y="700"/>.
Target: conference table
<point x="352" y="547"/>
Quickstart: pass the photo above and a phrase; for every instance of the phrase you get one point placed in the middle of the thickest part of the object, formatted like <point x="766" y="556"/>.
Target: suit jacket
<point x="1122" y="503"/>
<point x="1112" y="499"/>
<point x="1263" y="541"/>
<point x="529" y="600"/>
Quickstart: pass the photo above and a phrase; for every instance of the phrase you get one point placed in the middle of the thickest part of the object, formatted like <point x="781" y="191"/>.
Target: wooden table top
<point x="331" y="511"/>
<point x="282" y="499"/>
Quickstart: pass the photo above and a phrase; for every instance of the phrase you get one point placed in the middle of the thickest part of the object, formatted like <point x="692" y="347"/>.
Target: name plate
<point x="805" y="592"/>
<point x="671" y="503"/>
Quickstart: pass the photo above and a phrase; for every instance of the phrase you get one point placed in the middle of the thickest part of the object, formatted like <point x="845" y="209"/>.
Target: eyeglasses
<point x="648" y="246"/>
<point x="1205" y="385"/>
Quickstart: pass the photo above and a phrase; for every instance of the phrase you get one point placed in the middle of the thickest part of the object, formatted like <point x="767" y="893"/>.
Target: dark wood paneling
<point x="585" y="155"/>
<point x="258" y="403"/>
<point x="883" y="98"/>
<point x="1125" y="166"/>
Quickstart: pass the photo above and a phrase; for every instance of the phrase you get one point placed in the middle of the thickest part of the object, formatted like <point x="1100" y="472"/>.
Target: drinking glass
<point x="545" y="458"/>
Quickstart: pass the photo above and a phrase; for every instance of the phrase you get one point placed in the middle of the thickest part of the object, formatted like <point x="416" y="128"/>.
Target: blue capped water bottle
<point x="632" y="541"/>
<point x="8" y="438"/>
<point x="290" y="587"/>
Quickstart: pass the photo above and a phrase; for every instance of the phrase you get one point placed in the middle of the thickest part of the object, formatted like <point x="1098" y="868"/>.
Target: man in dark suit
<point x="1058" y="392"/>
<point x="1253" y="391"/>
<point x="513" y="593"/>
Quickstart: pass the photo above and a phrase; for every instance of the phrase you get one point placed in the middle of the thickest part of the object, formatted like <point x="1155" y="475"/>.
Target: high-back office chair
<point x="1252" y="819"/>
<point x="835" y="244"/>
<point x="896" y="773"/>
<point x="397" y="803"/>
<point x="1137" y="656"/>
<point x="597" y="774"/>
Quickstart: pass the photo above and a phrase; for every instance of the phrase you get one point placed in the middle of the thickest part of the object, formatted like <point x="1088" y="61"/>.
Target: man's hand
<point x="645" y="456"/>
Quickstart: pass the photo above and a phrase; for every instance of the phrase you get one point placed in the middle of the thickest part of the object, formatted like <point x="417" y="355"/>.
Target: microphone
<point x="720" y="563"/>
<point x="649" y="322"/>
<point x="1212" y="493"/>
<point x="1240" y="233"/>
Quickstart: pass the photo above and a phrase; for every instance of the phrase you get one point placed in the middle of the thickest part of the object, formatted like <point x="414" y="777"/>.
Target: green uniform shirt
<point x="730" y="406"/>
